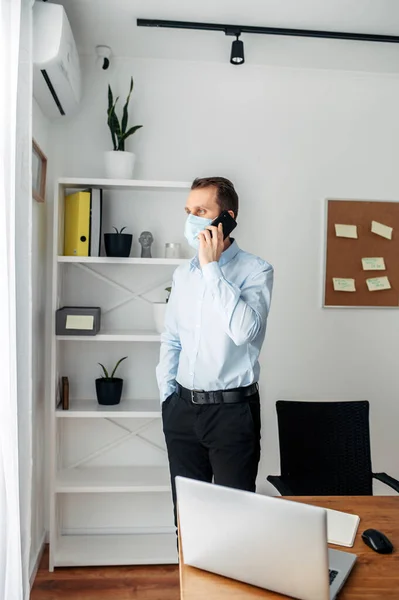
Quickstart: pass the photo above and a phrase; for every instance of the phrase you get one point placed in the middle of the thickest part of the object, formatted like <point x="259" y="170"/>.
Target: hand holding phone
<point x="227" y="221"/>
<point x="211" y="250"/>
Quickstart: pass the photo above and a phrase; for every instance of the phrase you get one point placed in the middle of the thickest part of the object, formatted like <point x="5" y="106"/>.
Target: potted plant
<point x="119" y="164"/>
<point x="118" y="244"/>
<point x="159" y="309"/>
<point x="108" y="387"/>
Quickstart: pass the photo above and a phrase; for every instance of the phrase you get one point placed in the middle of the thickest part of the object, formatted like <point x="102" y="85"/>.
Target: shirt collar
<point x="226" y="257"/>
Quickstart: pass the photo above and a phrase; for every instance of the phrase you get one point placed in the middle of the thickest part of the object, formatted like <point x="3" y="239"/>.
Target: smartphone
<point x="227" y="221"/>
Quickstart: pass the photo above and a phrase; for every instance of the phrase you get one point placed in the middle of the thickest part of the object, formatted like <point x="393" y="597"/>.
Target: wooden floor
<point x="103" y="583"/>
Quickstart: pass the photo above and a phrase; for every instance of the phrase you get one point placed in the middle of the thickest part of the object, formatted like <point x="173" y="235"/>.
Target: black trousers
<point x="219" y="442"/>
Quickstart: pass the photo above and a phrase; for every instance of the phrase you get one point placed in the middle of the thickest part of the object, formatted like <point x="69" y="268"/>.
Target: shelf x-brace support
<point x="129" y="434"/>
<point x="132" y="295"/>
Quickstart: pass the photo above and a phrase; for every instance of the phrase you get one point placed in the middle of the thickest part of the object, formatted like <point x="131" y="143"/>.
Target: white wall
<point x="288" y="138"/>
<point x="40" y="127"/>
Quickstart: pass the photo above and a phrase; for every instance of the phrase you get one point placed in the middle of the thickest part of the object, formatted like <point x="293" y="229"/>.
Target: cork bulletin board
<point x="362" y="254"/>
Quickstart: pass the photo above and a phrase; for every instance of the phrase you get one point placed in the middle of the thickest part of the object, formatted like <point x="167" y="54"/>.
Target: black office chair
<point x="325" y="450"/>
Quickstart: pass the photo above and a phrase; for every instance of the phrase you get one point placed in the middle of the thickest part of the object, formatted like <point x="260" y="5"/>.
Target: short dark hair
<point x="226" y="196"/>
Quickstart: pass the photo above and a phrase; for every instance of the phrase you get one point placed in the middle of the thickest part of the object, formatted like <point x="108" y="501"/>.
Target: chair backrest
<point x="326" y="446"/>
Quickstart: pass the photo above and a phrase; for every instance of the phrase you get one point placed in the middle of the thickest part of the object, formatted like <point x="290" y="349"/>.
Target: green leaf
<point x="112" y="113"/>
<point x="109" y="123"/>
<point x="105" y="371"/>
<point x="113" y="227"/>
<point x="123" y="228"/>
<point x="130" y="132"/>
<point x="125" y="108"/>
<point x="110" y="106"/>
<point x="113" y="124"/>
<point x="114" y="120"/>
<point x="110" y="98"/>
<point x="111" y="109"/>
<point x="113" y="135"/>
<point x="117" y="365"/>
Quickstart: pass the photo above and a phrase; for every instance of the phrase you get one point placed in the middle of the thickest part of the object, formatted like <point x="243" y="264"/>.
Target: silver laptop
<point x="269" y="542"/>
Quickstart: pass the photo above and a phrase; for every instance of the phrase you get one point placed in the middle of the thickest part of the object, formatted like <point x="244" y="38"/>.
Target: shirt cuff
<point x="212" y="271"/>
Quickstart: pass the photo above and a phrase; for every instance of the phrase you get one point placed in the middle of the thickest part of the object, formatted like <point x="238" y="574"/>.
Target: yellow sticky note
<point x="382" y="230"/>
<point x="378" y="283"/>
<point x="346" y="231"/>
<point x="344" y="285"/>
<point x="373" y="264"/>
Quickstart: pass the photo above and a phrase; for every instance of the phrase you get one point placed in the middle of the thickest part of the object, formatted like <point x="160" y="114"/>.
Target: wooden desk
<point x="374" y="576"/>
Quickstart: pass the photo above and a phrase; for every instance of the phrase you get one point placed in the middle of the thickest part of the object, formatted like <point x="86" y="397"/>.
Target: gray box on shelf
<point x="78" y="320"/>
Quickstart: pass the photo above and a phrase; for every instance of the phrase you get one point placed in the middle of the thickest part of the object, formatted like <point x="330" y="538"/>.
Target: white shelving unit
<point x="105" y="260"/>
<point x="80" y="477"/>
<point x="112" y="479"/>
<point x="113" y="336"/>
<point x="129" y="549"/>
<point x="122" y="184"/>
<point x="90" y="409"/>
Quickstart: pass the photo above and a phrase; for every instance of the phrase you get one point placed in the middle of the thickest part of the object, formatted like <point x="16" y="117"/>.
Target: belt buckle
<point x="192" y="396"/>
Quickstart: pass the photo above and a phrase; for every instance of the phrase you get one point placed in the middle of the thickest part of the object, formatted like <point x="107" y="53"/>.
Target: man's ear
<point x="231" y="213"/>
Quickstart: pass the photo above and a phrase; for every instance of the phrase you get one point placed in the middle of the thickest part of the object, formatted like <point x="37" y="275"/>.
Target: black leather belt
<point x="218" y="397"/>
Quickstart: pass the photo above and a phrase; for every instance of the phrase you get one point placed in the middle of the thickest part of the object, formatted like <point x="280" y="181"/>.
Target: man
<point x="215" y="325"/>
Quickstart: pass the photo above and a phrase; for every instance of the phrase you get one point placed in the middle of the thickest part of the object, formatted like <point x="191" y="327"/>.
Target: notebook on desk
<point x="341" y="527"/>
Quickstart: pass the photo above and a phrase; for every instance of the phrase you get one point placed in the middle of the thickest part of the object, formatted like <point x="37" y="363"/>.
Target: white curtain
<point x="10" y="541"/>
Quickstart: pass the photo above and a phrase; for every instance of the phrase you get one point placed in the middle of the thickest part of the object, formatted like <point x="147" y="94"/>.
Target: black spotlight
<point x="237" y="52"/>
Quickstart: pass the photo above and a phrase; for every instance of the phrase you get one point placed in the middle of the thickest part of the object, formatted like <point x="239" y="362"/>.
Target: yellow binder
<point x="77" y="224"/>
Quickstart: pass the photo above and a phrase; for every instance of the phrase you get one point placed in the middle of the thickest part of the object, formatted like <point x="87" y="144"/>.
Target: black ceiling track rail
<point x="237" y="29"/>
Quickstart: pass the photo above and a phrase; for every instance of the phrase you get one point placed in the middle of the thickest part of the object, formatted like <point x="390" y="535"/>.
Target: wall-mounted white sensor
<point x="103" y="57"/>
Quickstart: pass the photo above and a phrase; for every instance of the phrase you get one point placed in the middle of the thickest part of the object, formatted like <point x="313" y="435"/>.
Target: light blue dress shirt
<point x="215" y="323"/>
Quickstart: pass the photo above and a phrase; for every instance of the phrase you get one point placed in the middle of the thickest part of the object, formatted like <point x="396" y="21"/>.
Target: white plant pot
<point x="119" y="164"/>
<point x="159" y="309"/>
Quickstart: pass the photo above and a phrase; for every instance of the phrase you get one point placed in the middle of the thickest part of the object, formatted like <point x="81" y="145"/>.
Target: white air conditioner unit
<point x="56" y="67"/>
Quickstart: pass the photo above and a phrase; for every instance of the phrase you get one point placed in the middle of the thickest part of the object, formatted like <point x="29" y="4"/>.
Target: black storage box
<point x="78" y="320"/>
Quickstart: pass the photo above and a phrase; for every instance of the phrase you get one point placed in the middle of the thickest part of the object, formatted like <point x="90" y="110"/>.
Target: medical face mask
<point x="193" y="226"/>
